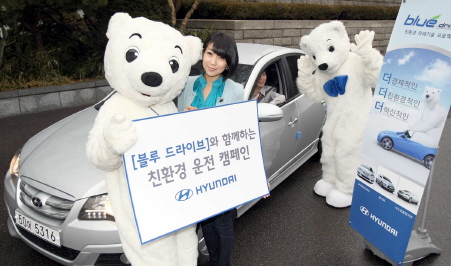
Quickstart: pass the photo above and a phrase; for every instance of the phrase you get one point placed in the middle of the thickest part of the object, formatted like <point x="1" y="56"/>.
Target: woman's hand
<point x="269" y="186"/>
<point x="190" y="108"/>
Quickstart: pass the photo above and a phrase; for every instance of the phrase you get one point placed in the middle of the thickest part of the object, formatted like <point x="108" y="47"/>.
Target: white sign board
<point x="190" y="166"/>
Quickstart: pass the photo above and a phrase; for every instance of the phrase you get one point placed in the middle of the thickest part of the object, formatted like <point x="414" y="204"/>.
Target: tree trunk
<point x="173" y="18"/>
<point x="188" y="15"/>
<point x="2" y="44"/>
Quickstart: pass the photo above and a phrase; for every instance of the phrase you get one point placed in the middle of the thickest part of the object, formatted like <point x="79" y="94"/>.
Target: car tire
<point x="387" y="143"/>
<point x="410" y="200"/>
<point x="428" y="161"/>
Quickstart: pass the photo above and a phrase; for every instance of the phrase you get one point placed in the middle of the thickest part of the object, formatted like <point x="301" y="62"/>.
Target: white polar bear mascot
<point x="429" y="127"/>
<point x="147" y="63"/>
<point x="342" y="75"/>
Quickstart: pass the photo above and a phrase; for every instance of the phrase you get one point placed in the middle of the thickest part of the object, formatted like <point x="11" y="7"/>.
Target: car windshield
<point x="241" y="74"/>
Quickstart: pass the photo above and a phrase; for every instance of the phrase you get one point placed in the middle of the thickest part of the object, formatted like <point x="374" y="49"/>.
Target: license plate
<point x="38" y="229"/>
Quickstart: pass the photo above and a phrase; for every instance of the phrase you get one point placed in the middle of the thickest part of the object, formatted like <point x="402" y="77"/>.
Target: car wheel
<point x="203" y="258"/>
<point x="428" y="161"/>
<point x="387" y="143"/>
<point x="410" y="200"/>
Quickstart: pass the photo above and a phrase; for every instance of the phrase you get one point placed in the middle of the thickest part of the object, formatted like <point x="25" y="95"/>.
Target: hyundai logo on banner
<point x="184" y="194"/>
<point x="364" y="211"/>
<point x="377" y="220"/>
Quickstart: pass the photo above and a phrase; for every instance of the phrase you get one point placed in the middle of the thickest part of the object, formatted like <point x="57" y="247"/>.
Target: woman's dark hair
<point x="225" y="47"/>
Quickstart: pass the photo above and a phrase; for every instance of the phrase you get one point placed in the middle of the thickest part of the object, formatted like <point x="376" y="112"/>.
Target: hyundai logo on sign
<point x="183" y="194"/>
<point x="364" y="210"/>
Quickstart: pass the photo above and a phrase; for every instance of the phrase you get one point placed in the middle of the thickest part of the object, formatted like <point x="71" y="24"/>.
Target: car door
<point x="311" y="115"/>
<point x="278" y="137"/>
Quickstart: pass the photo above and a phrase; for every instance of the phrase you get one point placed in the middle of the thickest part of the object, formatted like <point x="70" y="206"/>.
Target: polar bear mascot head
<point x="327" y="45"/>
<point x="147" y="61"/>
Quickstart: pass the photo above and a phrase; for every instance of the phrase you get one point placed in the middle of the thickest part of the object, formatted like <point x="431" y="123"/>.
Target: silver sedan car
<point x="57" y="202"/>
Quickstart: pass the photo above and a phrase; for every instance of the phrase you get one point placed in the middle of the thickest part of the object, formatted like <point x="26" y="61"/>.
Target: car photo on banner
<point x="408" y="196"/>
<point x="57" y="201"/>
<point x="400" y="141"/>
<point x="385" y="183"/>
<point x="366" y="173"/>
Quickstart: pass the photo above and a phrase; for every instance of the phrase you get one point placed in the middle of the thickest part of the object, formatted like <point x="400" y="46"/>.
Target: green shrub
<point x="202" y="34"/>
<point x="279" y="11"/>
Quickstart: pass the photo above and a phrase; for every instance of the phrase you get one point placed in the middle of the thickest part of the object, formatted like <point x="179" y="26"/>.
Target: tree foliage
<point x="44" y="39"/>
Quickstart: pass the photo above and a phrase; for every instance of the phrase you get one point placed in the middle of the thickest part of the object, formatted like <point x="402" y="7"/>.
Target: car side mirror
<point x="269" y="112"/>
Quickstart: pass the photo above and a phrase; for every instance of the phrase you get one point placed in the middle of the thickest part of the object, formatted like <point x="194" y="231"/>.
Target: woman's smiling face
<point x="262" y="80"/>
<point x="212" y="63"/>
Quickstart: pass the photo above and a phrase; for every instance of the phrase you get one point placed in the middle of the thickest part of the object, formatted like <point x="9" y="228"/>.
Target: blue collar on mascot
<point x="336" y="86"/>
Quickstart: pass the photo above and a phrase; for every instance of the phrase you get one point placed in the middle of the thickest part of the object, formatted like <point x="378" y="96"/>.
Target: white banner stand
<point x="420" y="244"/>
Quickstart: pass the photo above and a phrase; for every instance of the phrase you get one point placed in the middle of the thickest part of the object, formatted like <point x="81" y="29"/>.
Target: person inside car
<point x="266" y="94"/>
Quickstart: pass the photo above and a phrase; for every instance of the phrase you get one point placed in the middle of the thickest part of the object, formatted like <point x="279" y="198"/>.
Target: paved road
<point x="292" y="227"/>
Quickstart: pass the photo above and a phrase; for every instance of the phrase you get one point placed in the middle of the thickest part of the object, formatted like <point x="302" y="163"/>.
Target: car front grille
<point x="44" y="203"/>
<point x="63" y="252"/>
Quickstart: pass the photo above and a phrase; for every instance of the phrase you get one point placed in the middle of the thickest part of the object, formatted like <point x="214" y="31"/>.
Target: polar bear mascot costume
<point x="428" y="128"/>
<point x="342" y="75"/>
<point x="147" y="63"/>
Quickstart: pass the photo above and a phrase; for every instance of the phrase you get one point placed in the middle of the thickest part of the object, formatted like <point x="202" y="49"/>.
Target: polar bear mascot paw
<point x="338" y="199"/>
<point x="341" y="74"/>
<point x="147" y="63"/>
<point x="322" y="188"/>
<point x="120" y="134"/>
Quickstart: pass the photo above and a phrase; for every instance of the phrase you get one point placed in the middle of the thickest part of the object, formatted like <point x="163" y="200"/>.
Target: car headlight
<point x="97" y="208"/>
<point x="14" y="167"/>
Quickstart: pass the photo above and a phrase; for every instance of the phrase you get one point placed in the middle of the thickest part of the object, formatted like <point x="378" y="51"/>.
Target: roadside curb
<point x="26" y="101"/>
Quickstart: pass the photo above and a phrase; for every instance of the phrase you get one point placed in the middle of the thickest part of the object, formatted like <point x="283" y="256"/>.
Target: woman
<point x="213" y="88"/>
<point x="266" y="94"/>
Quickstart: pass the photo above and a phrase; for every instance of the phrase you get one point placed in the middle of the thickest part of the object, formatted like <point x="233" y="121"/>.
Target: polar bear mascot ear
<point x="305" y="44"/>
<point x="338" y="28"/>
<point x="195" y="47"/>
<point x="116" y="20"/>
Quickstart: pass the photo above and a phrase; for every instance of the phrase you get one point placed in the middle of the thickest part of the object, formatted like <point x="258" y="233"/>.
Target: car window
<point x="273" y="78"/>
<point x="292" y="61"/>
<point x="242" y="74"/>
